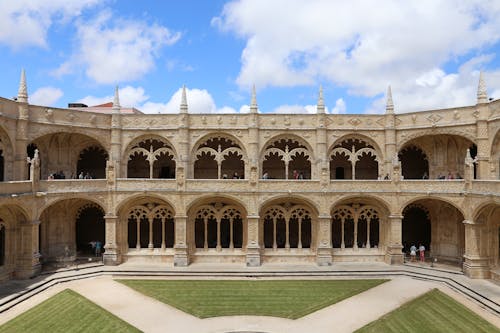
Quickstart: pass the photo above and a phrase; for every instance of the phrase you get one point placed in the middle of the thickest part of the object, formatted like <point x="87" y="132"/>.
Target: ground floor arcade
<point x="220" y="229"/>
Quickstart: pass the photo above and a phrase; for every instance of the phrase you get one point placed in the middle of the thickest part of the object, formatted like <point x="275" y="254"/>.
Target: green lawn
<point x="67" y="312"/>
<point x="279" y="298"/>
<point x="431" y="312"/>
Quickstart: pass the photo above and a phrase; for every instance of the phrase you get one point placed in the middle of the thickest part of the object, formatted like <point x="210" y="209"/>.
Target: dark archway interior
<point x="367" y="167"/>
<point x="205" y="167"/>
<point x="336" y="233"/>
<point x="2" y="245"/>
<point x="90" y="227"/>
<point x="268" y="233"/>
<point x="473" y="154"/>
<point x="2" y="177"/>
<point x="414" y="163"/>
<point x="416" y="228"/>
<point x="92" y="162"/>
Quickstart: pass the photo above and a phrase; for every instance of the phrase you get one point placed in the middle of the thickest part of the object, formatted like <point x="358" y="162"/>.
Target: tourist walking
<point x="421" y="249"/>
<point x="413" y="253"/>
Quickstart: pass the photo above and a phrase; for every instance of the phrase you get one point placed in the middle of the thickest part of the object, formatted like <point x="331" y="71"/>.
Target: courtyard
<point x="126" y="294"/>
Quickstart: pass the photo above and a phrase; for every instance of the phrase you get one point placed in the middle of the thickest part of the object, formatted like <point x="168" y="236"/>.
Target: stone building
<point x="248" y="188"/>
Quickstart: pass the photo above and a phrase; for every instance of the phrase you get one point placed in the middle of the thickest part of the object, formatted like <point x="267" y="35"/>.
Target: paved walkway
<point x="150" y="315"/>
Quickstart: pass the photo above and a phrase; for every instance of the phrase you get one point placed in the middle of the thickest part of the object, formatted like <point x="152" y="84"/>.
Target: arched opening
<point x="416" y="227"/>
<point x="218" y="225"/>
<point x="414" y="164"/>
<point x="353" y="159"/>
<point x="438" y="156"/>
<point x="68" y="227"/>
<point x="219" y="158"/>
<point x="150" y="225"/>
<point x="151" y="158"/>
<point x="287" y="159"/>
<point x="90" y="228"/>
<point x="60" y="153"/>
<point x="287" y="225"/>
<point x="92" y="163"/>
<point x="355" y="226"/>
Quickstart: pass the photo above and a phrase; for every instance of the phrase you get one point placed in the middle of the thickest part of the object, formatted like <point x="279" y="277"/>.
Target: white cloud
<point x="403" y="43"/>
<point x="129" y="97"/>
<point x="199" y="101"/>
<point x="46" y="96"/>
<point x="114" y="50"/>
<point x="26" y="22"/>
<point x="339" y="107"/>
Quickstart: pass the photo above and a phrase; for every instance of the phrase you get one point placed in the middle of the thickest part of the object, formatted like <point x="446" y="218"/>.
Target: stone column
<point x="253" y="248"/>
<point x="394" y="255"/>
<point x="181" y="257"/>
<point x="324" y="237"/>
<point x="28" y="262"/>
<point x="475" y="265"/>
<point x="111" y="254"/>
<point x="483" y="150"/>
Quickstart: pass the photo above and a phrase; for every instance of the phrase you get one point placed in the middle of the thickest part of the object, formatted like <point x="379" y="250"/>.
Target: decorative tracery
<point x="287" y="226"/>
<point x="154" y="219"/>
<point x="218" y="225"/>
<point x="291" y="155"/>
<point x="355" y="226"/>
<point x="362" y="157"/>
<point x="228" y="156"/>
<point x="155" y="155"/>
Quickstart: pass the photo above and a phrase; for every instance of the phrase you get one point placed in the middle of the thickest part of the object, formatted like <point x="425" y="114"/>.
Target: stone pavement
<point x="150" y="315"/>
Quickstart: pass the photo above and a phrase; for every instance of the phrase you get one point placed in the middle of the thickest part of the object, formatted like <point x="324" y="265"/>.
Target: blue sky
<point x="430" y="52"/>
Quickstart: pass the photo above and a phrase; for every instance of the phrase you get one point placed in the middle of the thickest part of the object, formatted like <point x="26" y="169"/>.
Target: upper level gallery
<point x="311" y="149"/>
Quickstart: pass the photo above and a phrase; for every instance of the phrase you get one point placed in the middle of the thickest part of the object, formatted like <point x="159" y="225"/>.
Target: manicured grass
<point x="279" y="298"/>
<point x="67" y="312"/>
<point x="431" y="312"/>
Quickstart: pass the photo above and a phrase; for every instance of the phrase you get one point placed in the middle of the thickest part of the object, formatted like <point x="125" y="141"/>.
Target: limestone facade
<point x="248" y="188"/>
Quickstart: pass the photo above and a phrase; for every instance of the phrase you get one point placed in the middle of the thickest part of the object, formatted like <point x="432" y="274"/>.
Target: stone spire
<point x="253" y="103"/>
<point x="184" y="104"/>
<point x="22" y="93"/>
<point x="116" y="101"/>
<point x="482" y="94"/>
<point x="320" y="108"/>
<point x="389" y="105"/>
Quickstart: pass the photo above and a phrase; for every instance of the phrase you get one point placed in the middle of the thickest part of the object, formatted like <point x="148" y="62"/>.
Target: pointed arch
<point x="353" y="157"/>
<point x="150" y="156"/>
<point x="219" y="156"/>
<point x="287" y="157"/>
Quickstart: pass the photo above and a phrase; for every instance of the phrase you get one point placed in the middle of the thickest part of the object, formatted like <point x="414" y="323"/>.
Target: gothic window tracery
<point x="151" y="226"/>
<point x="354" y="159"/>
<point x="218" y="225"/>
<point x="219" y="158"/>
<point x="151" y="158"/>
<point x="287" y="159"/>
<point x="355" y="226"/>
<point x="287" y="226"/>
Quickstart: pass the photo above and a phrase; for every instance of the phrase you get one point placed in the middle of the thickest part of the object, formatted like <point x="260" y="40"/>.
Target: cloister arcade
<point x="311" y="188"/>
